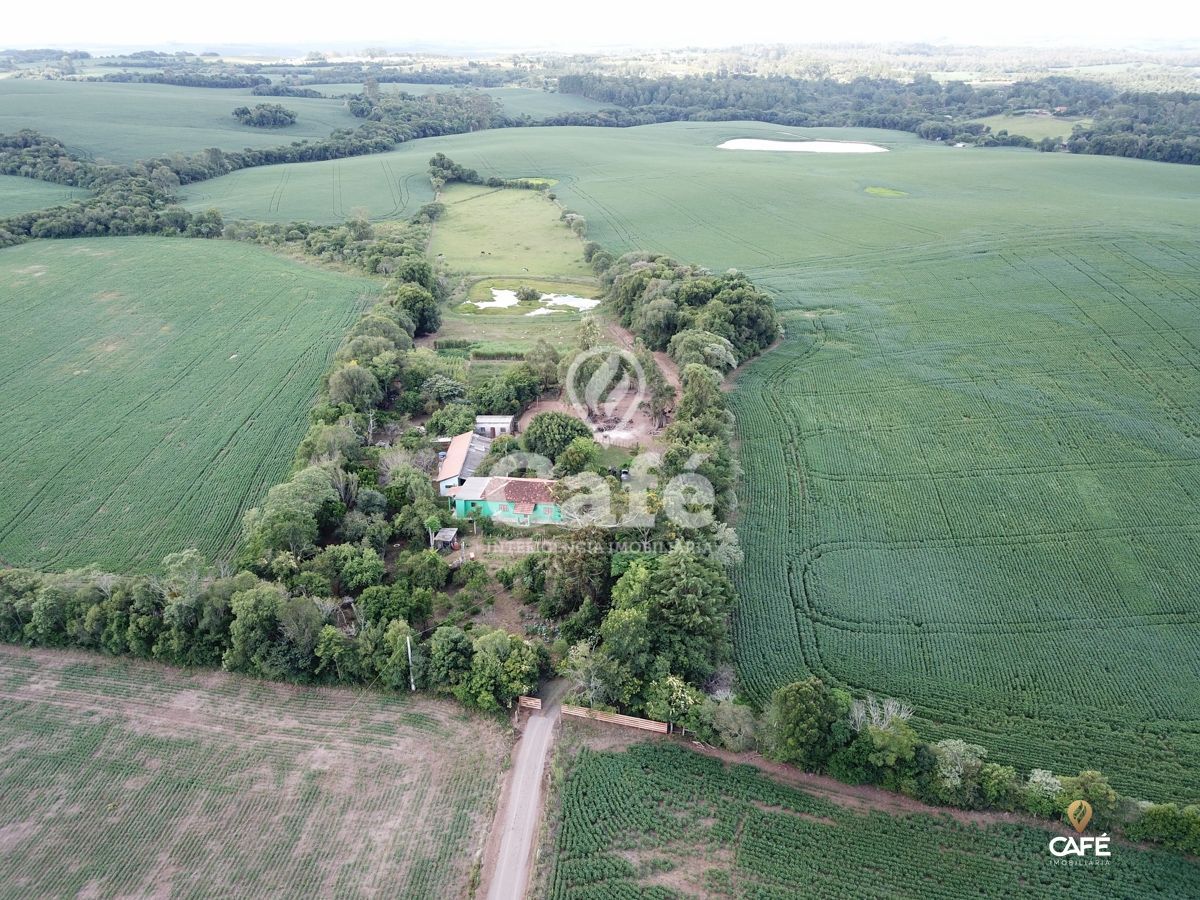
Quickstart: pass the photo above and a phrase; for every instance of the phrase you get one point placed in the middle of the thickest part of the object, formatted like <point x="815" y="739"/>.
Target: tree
<point x="581" y="454"/>
<point x="355" y="385"/>
<point x="595" y="677"/>
<point x="800" y="720"/>
<point x="437" y="390"/>
<point x="550" y="433"/>
<point x="688" y="607"/>
<point x="288" y="518"/>
<point x="544" y="359"/>
<point x="701" y="392"/>
<point x="457" y="418"/>
<point x="1093" y="787"/>
<point x="265" y="115"/>
<point x="735" y="725"/>
<point x="956" y="779"/>
<point x="255" y="626"/>
<point x="338" y="655"/>
<point x="450" y="653"/>
<point x="671" y="699"/>
<point x="502" y="667"/>
<point x="705" y="348"/>
<point x="421" y="306"/>
<point x="427" y="569"/>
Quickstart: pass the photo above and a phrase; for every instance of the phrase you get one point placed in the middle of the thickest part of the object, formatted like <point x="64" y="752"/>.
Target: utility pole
<point x="412" y="685"/>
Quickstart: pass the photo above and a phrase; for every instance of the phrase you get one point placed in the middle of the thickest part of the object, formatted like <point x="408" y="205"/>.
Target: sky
<point x="563" y="25"/>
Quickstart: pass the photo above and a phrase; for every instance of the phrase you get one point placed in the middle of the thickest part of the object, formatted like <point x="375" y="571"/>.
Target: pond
<point x="506" y="299"/>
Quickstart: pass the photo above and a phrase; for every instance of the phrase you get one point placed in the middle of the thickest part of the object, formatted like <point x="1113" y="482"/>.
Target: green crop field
<point x="1035" y="127"/>
<point x="971" y="468"/>
<point x="18" y="195"/>
<point x="129" y="779"/>
<point x="153" y="390"/>
<point x="383" y="186"/>
<point x="659" y="821"/>
<point x="126" y="122"/>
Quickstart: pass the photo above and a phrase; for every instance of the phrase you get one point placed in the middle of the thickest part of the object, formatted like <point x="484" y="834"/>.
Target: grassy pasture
<point x="127" y="122"/>
<point x="661" y="821"/>
<point x="19" y="195"/>
<point x="487" y="231"/>
<point x="154" y="389"/>
<point x="132" y="779"/>
<point x="1035" y="127"/>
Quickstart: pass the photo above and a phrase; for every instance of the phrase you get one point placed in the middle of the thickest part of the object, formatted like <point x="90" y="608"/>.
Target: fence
<point x="529" y="702"/>
<point x="582" y="712"/>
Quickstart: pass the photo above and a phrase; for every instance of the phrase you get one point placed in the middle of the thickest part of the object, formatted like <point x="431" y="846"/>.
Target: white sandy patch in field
<point x="544" y="311"/>
<point x="801" y="146"/>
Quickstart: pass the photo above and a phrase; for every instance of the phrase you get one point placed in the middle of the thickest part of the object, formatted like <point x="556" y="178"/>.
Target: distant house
<point x="494" y="426"/>
<point x="515" y="501"/>
<point x="463" y="456"/>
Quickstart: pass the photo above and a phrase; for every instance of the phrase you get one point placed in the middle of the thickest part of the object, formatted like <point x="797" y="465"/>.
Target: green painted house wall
<point x="501" y="511"/>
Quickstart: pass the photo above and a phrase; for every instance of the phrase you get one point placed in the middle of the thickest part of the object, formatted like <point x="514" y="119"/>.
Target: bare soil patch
<point x="211" y="784"/>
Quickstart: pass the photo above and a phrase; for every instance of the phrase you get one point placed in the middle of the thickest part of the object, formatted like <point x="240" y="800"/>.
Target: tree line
<point x="1160" y="126"/>
<point x="140" y="198"/>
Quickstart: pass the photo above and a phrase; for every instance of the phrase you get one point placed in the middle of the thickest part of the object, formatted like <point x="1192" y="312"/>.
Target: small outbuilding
<point x="494" y="426"/>
<point x="445" y="539"/>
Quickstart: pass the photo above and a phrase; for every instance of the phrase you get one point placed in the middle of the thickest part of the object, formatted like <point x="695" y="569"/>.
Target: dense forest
<point x="1164" y="127"/>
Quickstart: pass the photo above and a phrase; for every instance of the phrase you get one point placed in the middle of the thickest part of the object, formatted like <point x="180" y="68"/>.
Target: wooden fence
<point x="529" y="702"/>
<point x="582" y="712"/>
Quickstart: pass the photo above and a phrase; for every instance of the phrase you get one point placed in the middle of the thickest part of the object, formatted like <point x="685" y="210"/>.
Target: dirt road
<point x="521" y="808"/>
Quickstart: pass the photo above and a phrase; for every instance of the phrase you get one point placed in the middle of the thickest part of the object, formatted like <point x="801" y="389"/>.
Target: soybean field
<point x="661" y="821"/>
<point x="150" y="384"/>
<point x="125" y="122"/>
<point x="971" y="466"/>
<point x="18" y="195"/>
<point x="377" y="187"/>
<point x="127" y="778"/>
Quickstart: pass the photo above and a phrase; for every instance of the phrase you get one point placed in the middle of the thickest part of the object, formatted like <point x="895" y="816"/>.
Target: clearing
<point x="207" y="784"/>
<point x="155" y="388"/>
<point x="504" y="231"/>
<point x="1035" y="126"/>
<point x="660" y="818"/>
